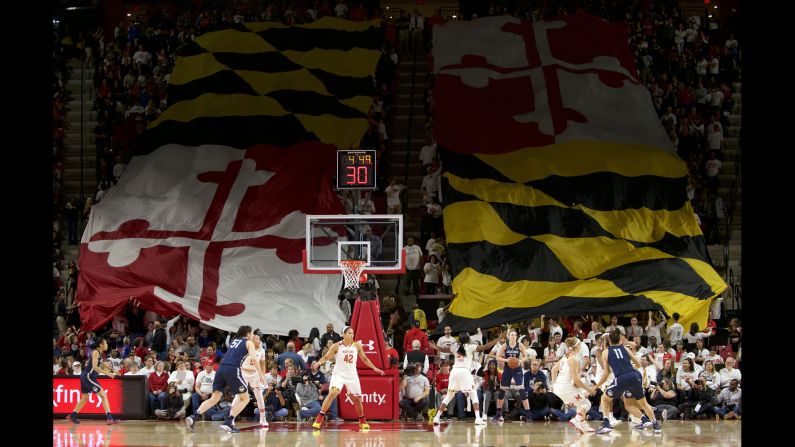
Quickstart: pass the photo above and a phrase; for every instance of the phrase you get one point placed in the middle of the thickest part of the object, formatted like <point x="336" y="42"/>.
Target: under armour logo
<point x="370" y="345"/>
<point x="96" y="389"/>
<point x="242" y="389"/>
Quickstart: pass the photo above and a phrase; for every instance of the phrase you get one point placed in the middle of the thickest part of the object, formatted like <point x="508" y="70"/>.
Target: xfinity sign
<point x="374" y="398"/>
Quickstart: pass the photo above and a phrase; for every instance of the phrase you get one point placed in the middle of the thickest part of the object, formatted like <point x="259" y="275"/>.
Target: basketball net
<point x="352" y="272"/>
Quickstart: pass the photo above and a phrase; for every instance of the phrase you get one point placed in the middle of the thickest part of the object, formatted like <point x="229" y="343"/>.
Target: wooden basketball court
<point x="95" y="433"/>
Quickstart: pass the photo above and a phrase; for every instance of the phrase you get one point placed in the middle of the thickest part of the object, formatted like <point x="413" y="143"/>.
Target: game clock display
<point x="356" y="169"/>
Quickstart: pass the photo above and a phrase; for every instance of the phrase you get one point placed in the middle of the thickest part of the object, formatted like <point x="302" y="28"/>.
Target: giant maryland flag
<point x="208" y="220"/>
<point x="562" y="195"/>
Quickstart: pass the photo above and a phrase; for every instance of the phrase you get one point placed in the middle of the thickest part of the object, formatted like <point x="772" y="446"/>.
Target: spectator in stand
<point x="272" y="376"/>
<point x="366" y="205"/>
<point x="392" y="354"/>
<point x="710" y="376"/>
<point x="634" y="329"/>
<point x="675" y="330"/>
<point x="176" y="404"/>
<point x="416" y="388"/>
<point x="329" y="335"/>
<point x="694" y="334"/>
<point x="666" y="371"/>
<point x="393" y="203"/>
<point x="430" y="185"/>
<point x="593" y="335"/>
<point x="159" y="341"/>
<point x="428" y="153"/>
<point x="554" y="327"/>
<point x="291" y="354"/>
<point x="653" y="329"/>
<point x="728" y="402"/>
<point x="158" y="385"/>
<point x="184" y="380"/>
<point x="729" y="372"/>
<point x="735" y="334"/>
<point x="432" y="270"/>
<point x="713" y="167"/>
<point x="700" y="352"/>
<point x="413" y="262"/>
<point x="416" y="355"/>
<point x="614" y="325"/>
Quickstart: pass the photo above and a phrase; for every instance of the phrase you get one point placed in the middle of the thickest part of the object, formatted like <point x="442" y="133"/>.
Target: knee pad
<point x="501" y="394"/>
<point x="523" y="394"/>
<point x="584" y="406"/>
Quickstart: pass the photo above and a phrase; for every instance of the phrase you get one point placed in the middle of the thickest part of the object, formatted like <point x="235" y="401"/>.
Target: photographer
<point x="307" y="393"/>
<point x="539" y="402"/>
<point x="287" y="387"/>
<point x="415" y="388"/>
<point x="698" y="401"/>
<point x="663" y="399"/>
<point x="319" y="379"/>
<point x="274" y="403"/>
<point x="729" y="401"/>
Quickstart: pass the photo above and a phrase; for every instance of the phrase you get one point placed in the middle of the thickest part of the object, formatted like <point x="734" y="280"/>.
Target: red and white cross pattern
<point x="504" y="85"/>
<point x="214" y="233"/>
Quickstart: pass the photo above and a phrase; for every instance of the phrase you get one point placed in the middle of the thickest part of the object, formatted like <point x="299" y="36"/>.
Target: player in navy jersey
<point x="628" y="384"/>
<point x="89" y="383"/>
<point x="229" y="374"/>
<point x="511" y="348"/>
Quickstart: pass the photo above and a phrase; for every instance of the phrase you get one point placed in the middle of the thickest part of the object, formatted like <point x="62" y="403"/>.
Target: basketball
<point x="513" y="362"/>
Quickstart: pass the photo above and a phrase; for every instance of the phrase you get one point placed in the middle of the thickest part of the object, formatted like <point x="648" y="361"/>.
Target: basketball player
<point x="461" y="377"/>
<point x="345" y="353"/>
<point x="607" y="411"/>
<point x="511" y="348"/>
<point x="229" y="374"/>
<point x="570" y="387"/>
<point x="255" y="381"/>
<point x="628" y="383"/>
<point x="89" y="383"/>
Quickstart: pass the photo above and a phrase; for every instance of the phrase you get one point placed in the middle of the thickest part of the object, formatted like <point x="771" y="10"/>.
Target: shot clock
<point x="356" y="169"/>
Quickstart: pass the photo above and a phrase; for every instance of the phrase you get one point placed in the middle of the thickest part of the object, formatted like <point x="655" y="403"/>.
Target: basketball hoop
<point x="352" y="272"/>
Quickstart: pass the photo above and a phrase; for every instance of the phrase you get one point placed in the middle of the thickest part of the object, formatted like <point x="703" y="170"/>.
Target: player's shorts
<point x="629" y="384"/>
<point x="350" y="382"/>
<point x="509" y="373"/>
<point x="252" y="380"/>
<point x="89" y="384"/>
<point x="231" y="376"/>
<point x="571" y="395"/>
<point x="608" y="382"/>
<point x="461" y="380"/>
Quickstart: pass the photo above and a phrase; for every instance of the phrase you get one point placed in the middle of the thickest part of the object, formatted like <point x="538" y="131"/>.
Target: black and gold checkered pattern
<point x="269" y="83"/>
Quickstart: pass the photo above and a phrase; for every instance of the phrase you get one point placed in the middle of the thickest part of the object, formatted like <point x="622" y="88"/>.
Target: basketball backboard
<point x="376" y="239"/>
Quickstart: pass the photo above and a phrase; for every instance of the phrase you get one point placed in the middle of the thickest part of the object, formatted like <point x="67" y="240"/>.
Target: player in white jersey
<point x="570" y="387"/>
<point x="461" y="378"/>
<point x="254" y="380"/>
<point x="345" y="354"/>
